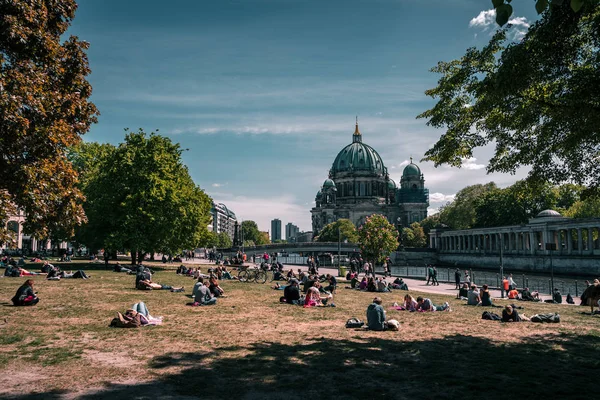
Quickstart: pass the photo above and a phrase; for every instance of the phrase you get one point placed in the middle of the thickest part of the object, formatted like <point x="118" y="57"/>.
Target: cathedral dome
<point x="391" y="184"/>
<point x="358" y="156"/>
<point x="328" y="184"/>
<point x="411" y="170"/>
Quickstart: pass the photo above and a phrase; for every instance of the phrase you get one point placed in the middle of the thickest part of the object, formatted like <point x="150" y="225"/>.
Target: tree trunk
<point x="133" y="257"/>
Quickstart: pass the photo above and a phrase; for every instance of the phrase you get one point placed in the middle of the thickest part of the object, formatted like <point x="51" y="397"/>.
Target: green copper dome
<point x="328" y="183"/>
<point x="358" y="156"/>
<point x="411" y="170"/>
<point x="391" y="184"/>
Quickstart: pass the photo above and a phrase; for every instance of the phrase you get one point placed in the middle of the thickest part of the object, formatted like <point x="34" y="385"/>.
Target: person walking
<point x="457" y="278"/>
<point x="434" y="280"/>
<point x="429" y="274"/>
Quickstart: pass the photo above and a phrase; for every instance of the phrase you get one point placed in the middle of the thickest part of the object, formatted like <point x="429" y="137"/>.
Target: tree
<point x="224" y="241"/>
<point x="504" y="10"/>
<point x="143" y="199"/>
<point x="347" y="231"/>
<point x="588" y="208"/>
<point x="537" y="101"/>
<point x="210" y="241"/>
<point x="250" y="231"/>
<point x="414" y="236"/>
<point x="44" y="109"/>
<point x="431" y="222"/>
<point x="377" y="238"/>
<point x="460" y="213"/>
<point x="263" y="238"/>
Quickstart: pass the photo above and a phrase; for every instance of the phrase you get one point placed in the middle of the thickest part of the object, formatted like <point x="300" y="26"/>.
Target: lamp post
<point x="550" y="247"/>
<point x="339" y="249"/>
<point x="501" y="264"/>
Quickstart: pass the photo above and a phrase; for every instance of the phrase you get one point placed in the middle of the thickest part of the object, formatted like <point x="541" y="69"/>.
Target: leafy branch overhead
<point x="536" y="101"/>
<point x="504" y="9"/>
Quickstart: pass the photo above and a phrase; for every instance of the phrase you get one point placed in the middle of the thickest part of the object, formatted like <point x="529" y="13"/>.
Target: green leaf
<point x="497" y="3"/>
<point x="557" y="2"/>
<point x="541" y="5"/>
<point x="503" y="14"/>
<point x="576" y="5"/>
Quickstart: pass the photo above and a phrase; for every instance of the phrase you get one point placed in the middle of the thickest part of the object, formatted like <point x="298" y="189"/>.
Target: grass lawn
<point x="249" y="346"/>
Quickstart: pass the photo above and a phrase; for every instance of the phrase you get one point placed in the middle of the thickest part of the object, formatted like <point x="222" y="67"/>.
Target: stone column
<point x="579" y="241"/>
<point x="569" y="242"/>
<point x="590" y="240"/>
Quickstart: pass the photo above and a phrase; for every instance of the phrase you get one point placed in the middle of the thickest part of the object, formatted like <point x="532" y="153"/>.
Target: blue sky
<point x="264" y="93"/>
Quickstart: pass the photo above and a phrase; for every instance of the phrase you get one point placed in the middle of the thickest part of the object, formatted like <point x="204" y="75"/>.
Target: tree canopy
<point x="413" y="236"/>
<point x="347" y="230"/>
<point x="537" y="101"/>
<point x="44" y="109"/>
<point x="460" y="213"/>
<point x="377" y="238"/>
<point x="504" y="9"/>
<point x="142" y="198"/>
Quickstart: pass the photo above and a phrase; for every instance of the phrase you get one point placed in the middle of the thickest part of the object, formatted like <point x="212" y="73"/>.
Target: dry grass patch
<point x="251" y="346"/>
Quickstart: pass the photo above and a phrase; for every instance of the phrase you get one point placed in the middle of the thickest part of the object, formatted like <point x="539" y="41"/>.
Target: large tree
<point x="44" y="109"/>
<point x="537" y="100"/>
<point x="347" y="232"/>
<point x="460" y="213"/>
<point x="377" y="238"/>
<point x="413" y="236"/>
<point x="250" y="232"/>
<point x="144" y="200"/>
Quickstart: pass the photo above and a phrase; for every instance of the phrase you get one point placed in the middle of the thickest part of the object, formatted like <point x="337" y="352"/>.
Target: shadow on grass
<point x="552" y="366"/>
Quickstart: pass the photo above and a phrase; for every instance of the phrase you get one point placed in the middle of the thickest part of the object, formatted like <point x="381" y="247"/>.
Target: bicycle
<point x="256" y="274"/>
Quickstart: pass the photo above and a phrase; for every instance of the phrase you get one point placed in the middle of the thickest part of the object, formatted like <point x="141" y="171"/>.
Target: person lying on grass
<point x="25" y="295"/>
<point x="408" y="304"/>
<point x="510" y="314"/>
<point x="144" y="282"/>
<point x="424" y="304"/>
<point x="202" y="295"/>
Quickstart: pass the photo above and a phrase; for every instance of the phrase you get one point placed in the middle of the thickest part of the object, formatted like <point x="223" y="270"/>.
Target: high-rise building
<point x="291" y="231"/>
<point x="223" y="220"/>
<point x="275" y="229"/>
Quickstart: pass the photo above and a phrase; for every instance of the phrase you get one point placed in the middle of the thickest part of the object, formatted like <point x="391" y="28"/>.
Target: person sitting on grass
<point x="376" y="316"/>
<point x="291" y="293"/>
<point x="424" y="304"/>
<point x="486" y="297"/>
<point x="332" y="283"/>
<point x="226" y="274"/>
<point x="399" y="284"/>
<point x="363" y="284"/>
<point x="513" y="294"/>
<point x="510" y="314"/>
<point x="202" y="294"/>
<point x="526" y="295"/>
<point x="473" y="298"/>
<point x="25" y="295"/>
<point x="556" y="297"/>
<point x="354" y="281"/>
<point x="215" y="289"/>
<point x="314" y="299"/>
<point x="291" y="274"/>
<point x="371" y="285"/>
<point x="463" y="292"/>
<point x="278" y="276"/>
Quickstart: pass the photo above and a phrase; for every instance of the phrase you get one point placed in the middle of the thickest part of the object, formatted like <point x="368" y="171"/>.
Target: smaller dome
<point x="328" y="184"/>
<point x="411" y="170"/>
<point x="319" y="194"/>
<point x="391" y="184"/>
<point x="548" y="213"/>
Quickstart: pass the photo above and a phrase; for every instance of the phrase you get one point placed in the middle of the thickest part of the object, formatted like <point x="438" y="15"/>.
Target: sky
<point x="264" y="93"/>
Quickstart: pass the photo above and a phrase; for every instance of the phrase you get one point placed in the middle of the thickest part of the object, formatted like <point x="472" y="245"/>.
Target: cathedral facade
<point x="359" y="185"/>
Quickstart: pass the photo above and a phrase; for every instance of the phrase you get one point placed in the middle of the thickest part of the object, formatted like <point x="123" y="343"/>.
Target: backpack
<point x="490" y="316"/>
<point x="354" y="323"/>
<point x="550" y="318"/>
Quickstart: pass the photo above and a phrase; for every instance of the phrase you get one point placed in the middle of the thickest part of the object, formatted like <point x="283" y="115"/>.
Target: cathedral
<point x="359" y="185"/>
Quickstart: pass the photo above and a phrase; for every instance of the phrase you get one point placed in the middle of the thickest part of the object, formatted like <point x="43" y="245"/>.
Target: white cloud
<point x="216" y="185"/>
<point x="486" y="20"/>
<point x="440" y="197"/>
<point x="469" y="163"/>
